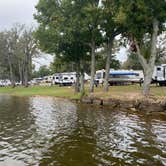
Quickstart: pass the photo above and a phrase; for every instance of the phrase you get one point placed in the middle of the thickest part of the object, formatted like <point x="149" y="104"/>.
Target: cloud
<point x="20" y="11"/>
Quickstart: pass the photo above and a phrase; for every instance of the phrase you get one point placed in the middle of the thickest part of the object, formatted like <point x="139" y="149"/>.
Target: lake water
<point x="45" y="131"/>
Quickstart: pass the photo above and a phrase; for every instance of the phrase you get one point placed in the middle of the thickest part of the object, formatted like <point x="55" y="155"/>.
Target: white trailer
<point x="159" y="75"/>
<point x="120" y="76"/>
<point x="67" y="78"/>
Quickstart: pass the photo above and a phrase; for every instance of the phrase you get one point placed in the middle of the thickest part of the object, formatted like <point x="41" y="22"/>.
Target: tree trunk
<point x="77" y="83"/>
<point x="107" y="68"/>
<point x="82" y="90"/>
<point x="26" y="76"/>
<point x="148" y="66"/>
<point x="30" y="67"/>
<point x="147" y="81"/>
<point x="12" y="78"/>
<point x="92" y="67"/>
<point x="26" y="70"/>
<point x="20" y="72"/>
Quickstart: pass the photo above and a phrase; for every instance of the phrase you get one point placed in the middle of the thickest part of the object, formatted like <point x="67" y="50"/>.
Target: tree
<point x="132" y="62"/>
<point x="144" y="22"/>
<point x="60" y="32"/>
<point x="18" y="47"/>
<point x="101" y="57"/>
<point x="59" y="65"/>
<point x="110" y="29"/>
<point x="4" y="70"/>
<point x="92" y="19"/>
<point x="43" y="71"/>
<point x="28" y="49"/>
<point x="12" y="40"/>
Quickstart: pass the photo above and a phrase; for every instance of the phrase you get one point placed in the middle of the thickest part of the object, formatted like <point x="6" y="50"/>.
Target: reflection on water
<point x="46" y="131"/>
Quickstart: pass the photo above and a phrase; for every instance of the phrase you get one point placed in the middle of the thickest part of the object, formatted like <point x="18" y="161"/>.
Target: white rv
<point x="120" y="76"/>
<point x="67" y="78"/>
<point x="5" y="83"/>
<point x="159" y="75"/>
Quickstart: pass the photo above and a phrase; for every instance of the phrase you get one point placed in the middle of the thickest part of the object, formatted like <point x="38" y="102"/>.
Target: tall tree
<point x="92" y="12"/>
<point x="18" y="47"/>
<point x="110" y="29"/>
<point x="60" y="31"/>
<point x="28" y="49"/>
<point x="144" y="22"/>
<point x="4" y="69"/>
<point x="12" y="40"/>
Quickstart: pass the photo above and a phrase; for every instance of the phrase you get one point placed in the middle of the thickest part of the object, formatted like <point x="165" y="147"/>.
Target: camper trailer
<point x="159" y="75"/>
<point x="67" y="78"/>
<point x="119" y="76"/>
<point x="5" y="82"/>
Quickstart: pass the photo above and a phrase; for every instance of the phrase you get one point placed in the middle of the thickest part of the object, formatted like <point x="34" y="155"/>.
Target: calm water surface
<point x="45" y="131"/>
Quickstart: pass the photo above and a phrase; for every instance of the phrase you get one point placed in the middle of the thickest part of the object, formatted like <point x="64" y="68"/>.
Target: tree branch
<point x="141" y="58"/>
<point x="154" y="42"/>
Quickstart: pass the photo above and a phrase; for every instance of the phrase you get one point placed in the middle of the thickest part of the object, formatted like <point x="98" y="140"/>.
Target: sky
<point x="16" y="11"/>
<point x="21" y="11"/>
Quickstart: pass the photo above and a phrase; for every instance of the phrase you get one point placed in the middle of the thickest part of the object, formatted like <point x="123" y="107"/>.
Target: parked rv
<point x="120" y="76"/>
<point x="67" y="78"/>
<point x="159" y="75"/>
<point x="5" y="82"/>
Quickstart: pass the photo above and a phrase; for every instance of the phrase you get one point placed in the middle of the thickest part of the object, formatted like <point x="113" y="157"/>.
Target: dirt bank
<point x="134" y="103"/>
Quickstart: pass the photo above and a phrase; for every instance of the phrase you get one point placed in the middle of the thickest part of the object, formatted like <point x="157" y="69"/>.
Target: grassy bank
<point x="54" y="91"/>
<point x="130" y="91"/>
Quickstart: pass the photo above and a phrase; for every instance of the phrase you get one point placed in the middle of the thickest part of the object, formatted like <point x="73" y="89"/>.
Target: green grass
<point x="129" y="90"/>
<point x="68" y="92"/>
<point x="55" y="91"/>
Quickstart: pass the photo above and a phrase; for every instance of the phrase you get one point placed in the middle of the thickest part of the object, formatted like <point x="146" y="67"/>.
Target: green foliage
<point x="132" y="62"/>
<point x="43" y="71"/>
<point x="60" y="29"/>
<point x="137" y="16"/>
<point x="59" y="65"/>
<point x="101" y="59"/>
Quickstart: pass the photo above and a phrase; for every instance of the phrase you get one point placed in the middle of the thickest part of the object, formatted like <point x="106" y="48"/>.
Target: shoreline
<point x="128" y="97"/>
<point x="146" y="105"/>
<point x="139" y="104"/>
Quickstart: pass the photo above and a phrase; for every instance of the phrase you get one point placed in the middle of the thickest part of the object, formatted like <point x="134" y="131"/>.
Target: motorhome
<point x="36" y="81"/>
<point x="120" y="76"/>
<point x="67" y="78"/>
<point x="159" y="75"/>
<point x="5" y="82"/>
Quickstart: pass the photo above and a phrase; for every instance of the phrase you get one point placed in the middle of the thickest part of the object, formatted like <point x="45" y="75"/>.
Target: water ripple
<point x="47" y="131"/>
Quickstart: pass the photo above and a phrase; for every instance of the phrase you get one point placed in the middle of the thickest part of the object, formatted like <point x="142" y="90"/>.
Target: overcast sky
<point x="16" y="11"/>
<point x="20" y="11"/>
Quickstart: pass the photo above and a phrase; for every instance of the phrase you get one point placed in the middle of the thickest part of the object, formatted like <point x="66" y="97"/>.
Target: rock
<point x="133" y="109"/>
<point x="146" y="105"/>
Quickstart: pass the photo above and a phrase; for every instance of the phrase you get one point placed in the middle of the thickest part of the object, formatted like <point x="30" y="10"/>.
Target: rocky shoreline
<point x="143" y="104"/>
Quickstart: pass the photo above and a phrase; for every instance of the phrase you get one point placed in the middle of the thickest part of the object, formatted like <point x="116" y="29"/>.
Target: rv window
<point x="71" y="78"/>
<point x="57" y="78"/>
<point x="158" y="69"/>
<point x="98" y="75"/>
<point x="65" y="78"/>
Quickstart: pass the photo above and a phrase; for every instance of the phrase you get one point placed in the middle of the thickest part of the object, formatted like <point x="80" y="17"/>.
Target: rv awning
<point x="123" y="73"/>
